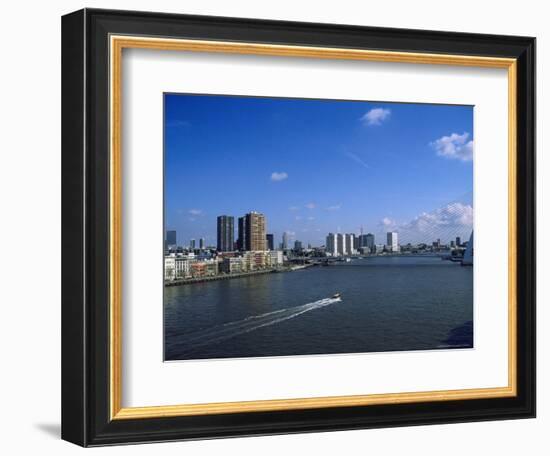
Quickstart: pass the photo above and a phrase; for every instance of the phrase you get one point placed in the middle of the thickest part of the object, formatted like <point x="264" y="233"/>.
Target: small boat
<point x="335" y="295"/>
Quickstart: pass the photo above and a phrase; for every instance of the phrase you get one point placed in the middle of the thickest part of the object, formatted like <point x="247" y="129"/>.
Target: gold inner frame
<point x="117" y="44"/>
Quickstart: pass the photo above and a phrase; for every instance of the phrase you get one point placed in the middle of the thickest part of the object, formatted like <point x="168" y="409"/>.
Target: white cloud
<point x="310" y="205"/>
<point x="375" y="116"/>
<point x="311" y="218"/>
<point x="445" y="223"/>
<point x="277" y="177"/>
<point x="195" y="211"/>
<point x="357" y="159"/>
<point x="387" y="223"/>
<point x="298" y="217"/>
<point x="293" y="208"/>
<point x="455" y="146"/>
<point x="335" y="207"/>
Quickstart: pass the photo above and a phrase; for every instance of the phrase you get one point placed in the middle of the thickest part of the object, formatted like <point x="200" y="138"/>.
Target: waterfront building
<point x="207" y="268"/>
<point x="171" y="239"/>
<point x="369" y="242"/>
<point x="183" y="267"/>
<point x="260" y="259"/>
<point x="349" y="244"/>
<point x="252" y="232"/>
<point x="255" y="260"/>
<point x="169" y="268"/>
<point x="225" y="233"/>
<point x="340" y="244"/>
<point x="232" y="265"/>
<point x="392" y="241"/>
<point x="177" y="267"/>
<point x="241" y="239"/>
<point x="255" y="231"/>
<point x="192" y="244"/>
<point x="275" y="258"/>
<point x="270" y="241"/>
<point x="298" y="246"/>
<point x="331" y="244"/>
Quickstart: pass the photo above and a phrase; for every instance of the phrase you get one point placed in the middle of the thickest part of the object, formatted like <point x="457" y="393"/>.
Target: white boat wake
<point x="252" y="323"/>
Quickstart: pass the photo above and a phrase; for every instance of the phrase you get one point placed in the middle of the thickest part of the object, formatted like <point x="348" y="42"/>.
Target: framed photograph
<point x="279" y="227"/>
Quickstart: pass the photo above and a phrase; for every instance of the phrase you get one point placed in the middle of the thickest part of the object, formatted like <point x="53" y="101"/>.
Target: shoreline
<point x="179" y="282"/>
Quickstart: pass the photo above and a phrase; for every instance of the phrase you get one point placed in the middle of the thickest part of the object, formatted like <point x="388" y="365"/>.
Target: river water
<point x="387" y="304"/>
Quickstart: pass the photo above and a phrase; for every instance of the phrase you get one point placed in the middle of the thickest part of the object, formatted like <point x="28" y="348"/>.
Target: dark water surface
<point x="387" y="304"/>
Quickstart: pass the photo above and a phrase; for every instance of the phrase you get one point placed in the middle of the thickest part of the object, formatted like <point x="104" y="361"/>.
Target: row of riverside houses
<point x="251" y="252"/>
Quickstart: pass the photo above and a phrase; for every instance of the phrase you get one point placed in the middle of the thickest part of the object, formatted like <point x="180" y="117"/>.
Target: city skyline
<point x="381" y="166"/>
<point x="334" y="242"/>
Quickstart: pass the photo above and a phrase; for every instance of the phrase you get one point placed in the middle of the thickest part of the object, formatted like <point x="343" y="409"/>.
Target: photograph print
<point x="316" y="227"/>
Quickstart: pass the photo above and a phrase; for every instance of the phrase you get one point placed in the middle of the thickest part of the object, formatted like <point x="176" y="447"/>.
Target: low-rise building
<point x="177" y="266"/>
<point x="207" y="268"/>
<point x="232" y="265"/>
<point x="276" y="258"/>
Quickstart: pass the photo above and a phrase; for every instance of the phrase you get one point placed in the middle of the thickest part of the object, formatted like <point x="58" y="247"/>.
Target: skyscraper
<point x="458" y="241"/>
<point x="201" y="243"/>
<point x="192" y="244"/>
<point x="392" y="242"/>
<point x="297" y="246"/>
<point x="270" y="241"/>
<point x="285" y="241"/>
<point x="340" y="244"/>
<point x="369" y="242"/>
<point x="226" y="233"/>
<point x="349" y="244"/>
<point x="171" y="239"/>
<point x="331" y="246"/>
<point x="241" y="239"/>
<point x="255" y="237"/>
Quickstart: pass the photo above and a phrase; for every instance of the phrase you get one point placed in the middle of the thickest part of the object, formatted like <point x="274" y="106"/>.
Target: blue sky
<point x="318" y="166"/>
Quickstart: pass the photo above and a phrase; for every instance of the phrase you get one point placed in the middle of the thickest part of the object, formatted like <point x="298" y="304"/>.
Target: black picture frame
<point x="85" y="225"/>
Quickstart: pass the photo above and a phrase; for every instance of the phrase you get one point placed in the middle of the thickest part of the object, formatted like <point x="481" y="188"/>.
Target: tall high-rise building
<point x="192" y="244"/>
<point x="331" y="244"/>
<point x="297" y="246"/>
<point x="171" y="239"/>
<point x="284" y="245"/>
<point x="349" y="244"/>
<point x="340" y="244"/>
<point x="226" y="233"/>
<point x="369" y="242"/>
<point x="392" y="241"/>
<point x="241" y="234"/>
<point x="255" y="238"/>
<point x="270" y="241"/>
<point x="201" y="243"/>
<point x="458" y="241"/>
